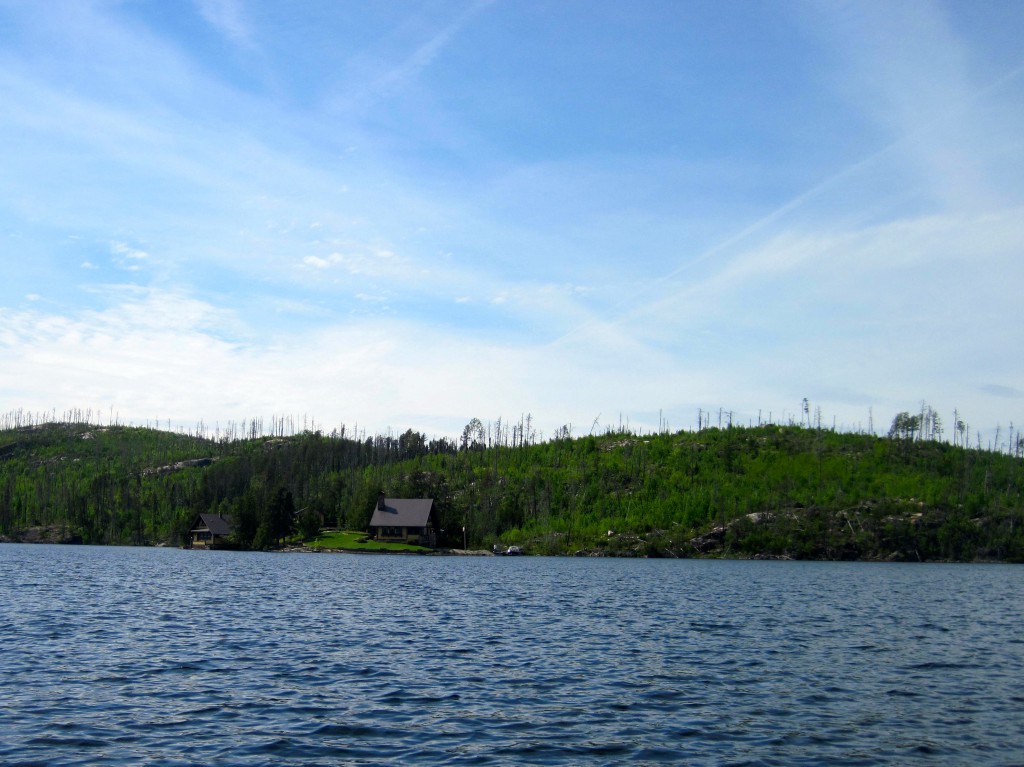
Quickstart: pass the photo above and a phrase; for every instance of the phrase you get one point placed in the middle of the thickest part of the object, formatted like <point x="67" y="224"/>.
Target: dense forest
<point x="790" y="491"/>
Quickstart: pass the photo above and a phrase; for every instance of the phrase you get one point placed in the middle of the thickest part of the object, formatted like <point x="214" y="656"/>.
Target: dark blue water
<point x="167" y="657"/>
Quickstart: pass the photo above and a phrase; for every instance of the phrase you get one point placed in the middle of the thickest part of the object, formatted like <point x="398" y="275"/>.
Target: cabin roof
<point x="403" y="512"/>
<point x="215" y="523"/>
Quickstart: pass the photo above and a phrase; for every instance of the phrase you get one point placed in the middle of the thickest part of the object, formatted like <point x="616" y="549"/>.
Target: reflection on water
<point x="116" y="656"/>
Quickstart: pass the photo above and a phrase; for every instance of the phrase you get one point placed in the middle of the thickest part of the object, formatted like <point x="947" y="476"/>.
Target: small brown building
<point x="405" y="520"/>
<point x="210" y="531"/>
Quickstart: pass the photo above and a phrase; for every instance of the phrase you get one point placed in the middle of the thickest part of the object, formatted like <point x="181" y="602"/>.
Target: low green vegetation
<point x="767" y="491"/>
<point x="349" y="540"/>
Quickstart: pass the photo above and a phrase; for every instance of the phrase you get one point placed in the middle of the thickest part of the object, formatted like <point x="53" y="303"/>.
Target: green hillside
<point x="774" y="491"/>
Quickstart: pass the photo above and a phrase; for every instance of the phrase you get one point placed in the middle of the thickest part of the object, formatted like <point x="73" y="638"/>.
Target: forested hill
<point x="770" y="491"/>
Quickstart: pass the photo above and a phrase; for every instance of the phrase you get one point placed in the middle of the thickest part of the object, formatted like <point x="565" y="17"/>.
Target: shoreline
<point x="485" y="553"/>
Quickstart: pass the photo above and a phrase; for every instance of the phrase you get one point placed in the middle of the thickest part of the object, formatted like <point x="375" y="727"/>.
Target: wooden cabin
<point x="210" y="531"/>
<point x="405" y="520"/>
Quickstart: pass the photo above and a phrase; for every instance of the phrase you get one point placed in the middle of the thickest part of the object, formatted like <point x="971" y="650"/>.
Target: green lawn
<point x="356" y="541"/>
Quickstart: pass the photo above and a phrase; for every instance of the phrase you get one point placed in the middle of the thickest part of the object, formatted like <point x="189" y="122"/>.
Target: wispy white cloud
<point x="384" y="73"/>
<point x="373" y="298"/>
<point x="301" y="308"/>
<point x="409" y="69"/>
<point x="1007" y="392"/>
<point x="427" y="378"/>
<point x="122" y="249"/>
<point x="910" y="72"/>
<point x="375" y="263"/>
<point x="850" y="256"/>
<point x="319" y="263"/>
<point x="127" y="257"/>
<point x="228" y="17"/>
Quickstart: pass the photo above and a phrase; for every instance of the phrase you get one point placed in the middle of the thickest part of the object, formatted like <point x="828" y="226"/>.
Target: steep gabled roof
<point x="403" y="512"/>
<point x="215" y="523"/>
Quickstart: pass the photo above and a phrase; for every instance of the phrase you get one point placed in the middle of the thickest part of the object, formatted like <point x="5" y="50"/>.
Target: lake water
<point x="167" y="657"/>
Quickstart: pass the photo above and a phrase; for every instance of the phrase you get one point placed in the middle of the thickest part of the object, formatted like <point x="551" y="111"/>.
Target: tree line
<point x="781" y="489"/>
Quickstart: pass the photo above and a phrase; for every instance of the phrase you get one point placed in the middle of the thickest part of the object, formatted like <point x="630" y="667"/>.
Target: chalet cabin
<point x="210" y="531"/>
<point x="405" y="520"/>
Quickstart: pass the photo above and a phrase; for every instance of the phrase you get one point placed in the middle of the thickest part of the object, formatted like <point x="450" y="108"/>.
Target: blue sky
<point x="410" y="214"/>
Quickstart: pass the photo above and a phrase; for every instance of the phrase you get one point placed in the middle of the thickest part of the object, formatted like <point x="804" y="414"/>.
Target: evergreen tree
<point x="282" y="515"/>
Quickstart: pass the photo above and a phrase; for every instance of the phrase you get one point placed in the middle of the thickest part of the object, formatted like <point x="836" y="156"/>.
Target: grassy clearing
<point x="356" y="541"/>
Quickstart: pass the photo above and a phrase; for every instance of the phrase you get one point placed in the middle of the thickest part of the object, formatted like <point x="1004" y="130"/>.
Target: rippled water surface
<point x="159" y="656"/>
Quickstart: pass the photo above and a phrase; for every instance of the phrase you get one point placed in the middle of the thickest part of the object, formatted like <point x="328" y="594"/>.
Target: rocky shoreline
<point x="42" y="534"/>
